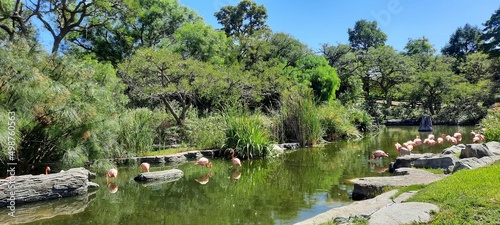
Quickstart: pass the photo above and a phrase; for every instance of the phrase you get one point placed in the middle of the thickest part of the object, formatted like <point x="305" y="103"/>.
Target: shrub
<point x="336" y="122"/>
<point x="491" y="123"/>
<point x="206" y="132"/>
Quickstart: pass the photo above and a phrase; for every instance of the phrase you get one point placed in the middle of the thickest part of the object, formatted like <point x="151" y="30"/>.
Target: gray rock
<point x="407" y="160"/>
<point x="453" y="149"/>
<point x="153" y="159"/>
<point x="369" y="187"/>
<point x="436" y="162"/>
<point x="403" y="213"/>
<point x="475" y="150"/>
<point x="32" y="188"/>
<point x="494" y="147"/>
<point x="175" y="158"/>
<point x="164" y="175"/>
<point x="473" y="163"/>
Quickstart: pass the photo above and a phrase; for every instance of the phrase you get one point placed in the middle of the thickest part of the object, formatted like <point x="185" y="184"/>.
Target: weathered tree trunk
<point x="31" y="188"/>
<point x="165" y="175"/>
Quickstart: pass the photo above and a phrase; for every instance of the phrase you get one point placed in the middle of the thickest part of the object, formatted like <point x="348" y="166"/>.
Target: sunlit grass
<point x="168" y="151"/>
<point x="468" y="196"/>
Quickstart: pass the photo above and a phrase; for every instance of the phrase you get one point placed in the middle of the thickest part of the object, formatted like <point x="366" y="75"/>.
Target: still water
<point x="284" y="190"/>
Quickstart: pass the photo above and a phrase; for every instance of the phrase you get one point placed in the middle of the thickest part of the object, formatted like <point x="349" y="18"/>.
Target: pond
<point x="284" y="190"/>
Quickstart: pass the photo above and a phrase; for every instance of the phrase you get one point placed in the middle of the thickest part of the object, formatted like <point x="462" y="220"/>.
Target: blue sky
<point x="327" y="21"/>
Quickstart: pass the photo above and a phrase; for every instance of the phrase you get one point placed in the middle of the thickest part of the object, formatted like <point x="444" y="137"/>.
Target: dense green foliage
<point x="125" y="76"/>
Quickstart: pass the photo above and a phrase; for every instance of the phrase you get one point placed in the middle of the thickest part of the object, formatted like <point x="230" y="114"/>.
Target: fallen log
<point x="16" y="190"/>
<point x="164" y="175"/>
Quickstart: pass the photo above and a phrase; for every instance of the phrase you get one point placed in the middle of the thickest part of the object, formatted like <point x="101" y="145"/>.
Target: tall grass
<point x="492" y="123"/>
<point x="137" y="133"/>
<point x="301" y="118"/>
<point x="246" y="134"/>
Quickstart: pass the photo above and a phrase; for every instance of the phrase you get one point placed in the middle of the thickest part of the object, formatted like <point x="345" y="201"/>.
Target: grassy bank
<point x="466" y="197"/>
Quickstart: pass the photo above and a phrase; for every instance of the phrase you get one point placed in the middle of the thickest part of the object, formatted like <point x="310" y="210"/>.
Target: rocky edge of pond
<point x="380" y="208"/>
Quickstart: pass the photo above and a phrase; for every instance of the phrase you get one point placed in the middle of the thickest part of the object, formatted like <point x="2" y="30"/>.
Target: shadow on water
<point x="283" y="190"/>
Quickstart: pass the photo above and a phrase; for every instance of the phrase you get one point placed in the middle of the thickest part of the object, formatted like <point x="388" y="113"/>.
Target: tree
<point x="199" y="41"/>
<point x="420" y="51"/>
<point x="348" y="67"/>
<point x="13" y="19"/>
<point x="365" y="35"/>
<point x="162" y="76"/>
<point x="464" y="41"/>
<point x="134" y="24"/>
<point x="319" y="76"/>
<point x="243" y="19"/>
<point x="387" y="69"/>
<point x="476" y="68"/>
<point x="60" y="18"/>
<point x="491" y="35"/>
<point x="287" y="49"/>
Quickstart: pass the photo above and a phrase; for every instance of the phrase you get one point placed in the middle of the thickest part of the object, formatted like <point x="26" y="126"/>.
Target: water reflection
<point x="112" y="187"/>
<point x="48" y="209"/>
<point x="204" y="179"/>
<point x="377" y="167"/>
<point x="235" y="176"/>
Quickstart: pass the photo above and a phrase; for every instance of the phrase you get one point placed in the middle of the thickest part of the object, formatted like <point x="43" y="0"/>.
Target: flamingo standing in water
<point x="145" y="166"/>
<point x="203" y="162"/>
<point x="47" y="170"/>
<point x="111" y="173"/>
<point x="236" y="161"/>
<point x="417" y="141"/>
<point x="379" y="154"/>
<point x="458" y="136"/>
<point x="441" y="139"/>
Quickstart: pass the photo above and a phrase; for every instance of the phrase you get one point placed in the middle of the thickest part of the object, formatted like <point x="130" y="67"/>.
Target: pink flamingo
<point x="145" y="166"/>
<point x="236" y="161"/>
<point x="398" y="147"/>
<point x="47" y="170"/>
<point x="458" y="136"/>
<point x="379" y="154"/>
<point x="441" y="139"/>
<point x="112" y="187"/>
<point x="417" y="141"/>
<point x="431" y="136"/>
<point x="203" y="162"/>
<point x="111" y="173"/>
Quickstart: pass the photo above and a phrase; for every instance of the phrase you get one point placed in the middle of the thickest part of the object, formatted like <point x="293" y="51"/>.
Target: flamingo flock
<point x="431" y="140"/>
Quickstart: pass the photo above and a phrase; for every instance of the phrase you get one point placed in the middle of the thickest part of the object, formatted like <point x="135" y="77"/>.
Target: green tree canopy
<point x="491" y="34"/>
<point x="365" y="35"/>
<point x="464" y="41"/>
<point x="243" y="19"/>
<point x="130" y="25"/>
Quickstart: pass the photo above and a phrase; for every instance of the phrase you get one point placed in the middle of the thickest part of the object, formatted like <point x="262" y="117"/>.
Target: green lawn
<point x="466" y="197"/>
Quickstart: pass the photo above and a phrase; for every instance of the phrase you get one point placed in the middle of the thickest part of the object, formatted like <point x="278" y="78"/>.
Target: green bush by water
<point x="492" y="124"/>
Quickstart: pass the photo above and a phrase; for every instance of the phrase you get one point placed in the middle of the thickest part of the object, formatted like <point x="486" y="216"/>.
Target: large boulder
<point x="369" y="187"/>
<point x="453" y="149"/>
<point x="473" y="163"/>
<point x="404" y="213"/>
<point x="407" y="160"/>
<point x="494" y="147"/>
<point x="436" y="162"/>
<point x="475" y="150"/>
<point x="33" y="188"/>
